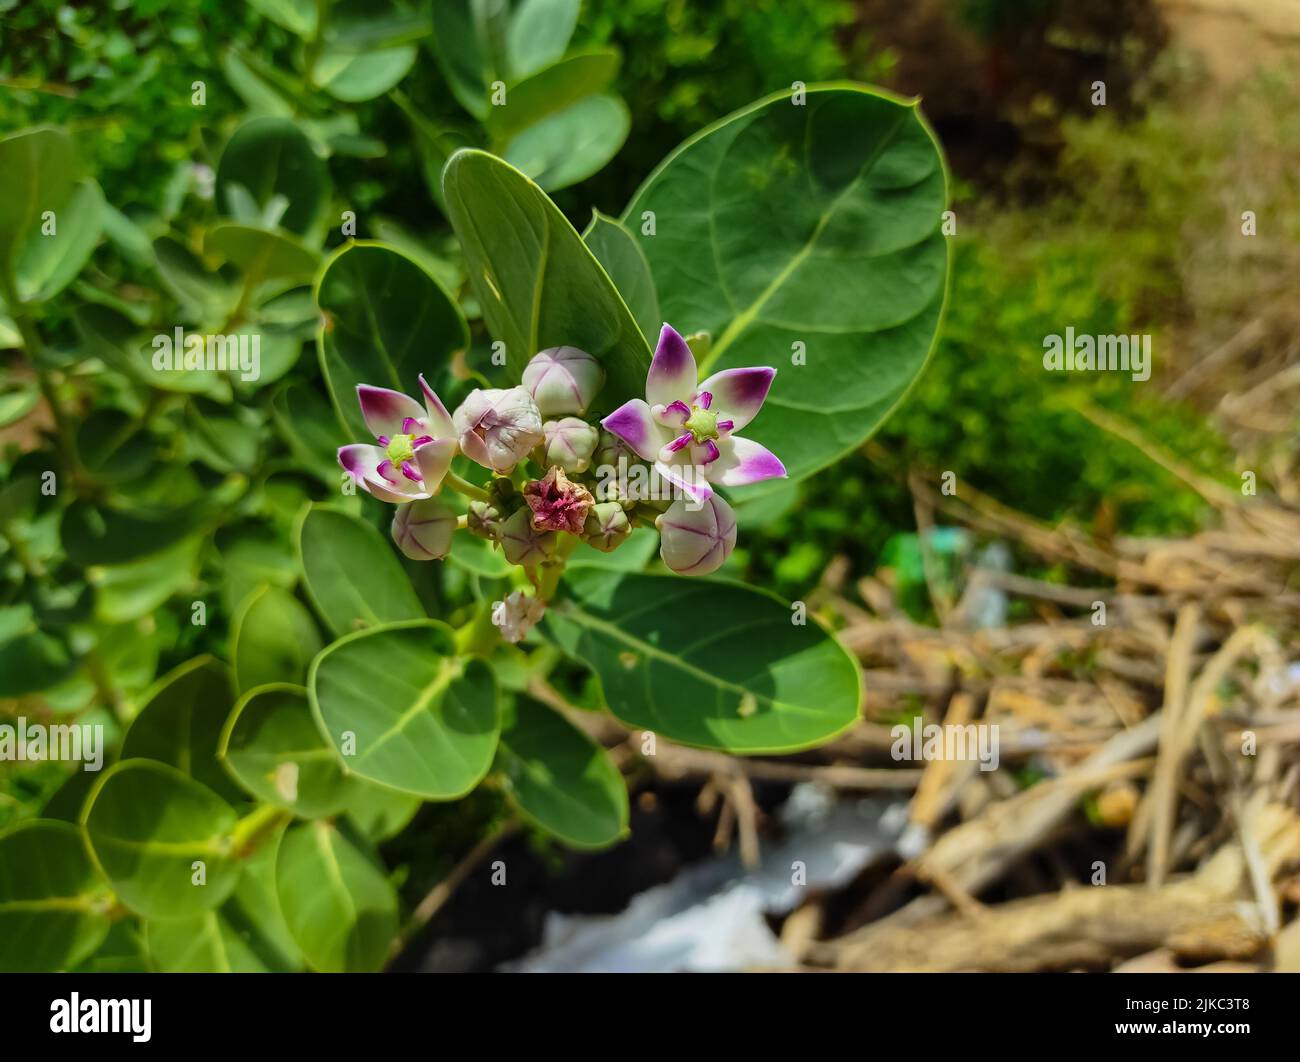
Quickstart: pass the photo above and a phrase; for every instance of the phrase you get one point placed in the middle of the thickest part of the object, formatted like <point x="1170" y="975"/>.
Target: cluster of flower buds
<point x="556" y="477"/>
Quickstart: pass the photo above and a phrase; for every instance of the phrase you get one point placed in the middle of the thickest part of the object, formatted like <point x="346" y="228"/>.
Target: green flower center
<point x="400" y="449"/>
<point x="702" y="424"/>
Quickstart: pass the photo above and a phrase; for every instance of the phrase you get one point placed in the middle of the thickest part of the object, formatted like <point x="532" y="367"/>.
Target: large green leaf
<point x="386" y="321"/>
<point x="570" y="145"/>
<point x="352" y="76"/>
<point x="203" y="943"/>
<point x="270" y="156"/>
<point x="37" y="173"/>
<point x="181" y="722"/>
<point x="340" y="909"/>
<point x="421" y="719"/>
<point x="48" y="264"/>
<point x="617" y="250"/>
<point x="274" y="639"/>
<point x="147" y="826"/>
<point x="102" y="535"/>
<point x="260" y="254"/>
<point x="818" y="225"/>
<point x="560" y="778"/>
<point x="536" y="280"/>
<point x="467" y="37"/>
<point x="715" y="664"/>
<point x="552" y="89"/>
<point x="53" y="906"/>
<point x="353" y="577"/>
<point x="273" y="748"/>
<point x="538" y="33"/>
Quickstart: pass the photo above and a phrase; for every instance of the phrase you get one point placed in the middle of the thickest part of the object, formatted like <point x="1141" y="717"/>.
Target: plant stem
<point x="255" y="827"/>
<point x="465" y="487"/>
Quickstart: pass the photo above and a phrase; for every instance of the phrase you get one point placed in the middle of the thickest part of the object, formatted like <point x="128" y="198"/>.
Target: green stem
<point x="255" y="827"/>
<point x="465" y="487"/>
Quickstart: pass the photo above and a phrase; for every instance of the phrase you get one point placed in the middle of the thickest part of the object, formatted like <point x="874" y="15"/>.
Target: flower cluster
<point x="552" y="473"/>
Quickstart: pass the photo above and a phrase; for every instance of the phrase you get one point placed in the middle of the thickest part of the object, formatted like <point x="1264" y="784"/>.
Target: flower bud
<point x="483" y="518"/>
<point x="570" y="442"/>
<point x="497" y="427"/>
<point x="522" y="543"/>
<point x="696" y="537"/>
<point x="607" y="526"/>
<point x="423" y="529"/>
<point x="563" y="380"/>
<point x="557" y="503"/>
<point x="518" y="614"/>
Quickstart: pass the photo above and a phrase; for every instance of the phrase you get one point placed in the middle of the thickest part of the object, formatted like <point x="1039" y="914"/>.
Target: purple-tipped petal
<point x="439" y="419"/>
<point x="385" y="471"/>
<point x="705" y="399"/>
<point x="741" y="461"/>
<point x="686" y="478"/>
<point x="361" y="461"/>
<point x="433" y="459"/>
<point x="680" y="408"/>
<point x="679" y="443"/>
<point x="672" y="370"/>
<point x="386" y="411"/>
<point x="712" y="453"/>
<point x="738" y="394"/>
<point x="408" y="470"/>
<point x="635" y="425"/>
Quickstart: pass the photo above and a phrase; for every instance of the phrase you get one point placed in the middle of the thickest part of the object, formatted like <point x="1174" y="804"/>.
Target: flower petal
<point x="439" y="420"/>
<point x="361" y="461"/>
<point x="635" y="425"/>
<point x="738" y="394"/>
<point x="687" y="478"/>
<point x="672" y="370"/>
<point x="385" y="410"/>
<point x="742" y="461"/>
<point x="433" y="459"/>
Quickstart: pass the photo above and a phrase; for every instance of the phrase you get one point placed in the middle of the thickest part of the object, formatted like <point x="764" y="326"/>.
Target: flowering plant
<point x="562" y="476"/>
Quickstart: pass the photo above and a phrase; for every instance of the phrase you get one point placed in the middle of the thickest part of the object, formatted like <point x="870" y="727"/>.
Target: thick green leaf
<point x="119" y="343"/>
<point x="274" y="638"/>
<point x="816" y="225"/>
<point x="48" y="264"/>
<point x="124" y="592"/>
<point x="297" y="16"/>
<point x="31" y="662"/>
<point x="340" y="909"/>
<point x="353" y="76"/>
<point x="202" y="943"/>
<point x="537" y="282"/>
<point x="380" y="813"/>
<point x="353" y="576"/>
<point x="405" y="712"/>
<point x="37" y="173"/>
<point x="147" y="825"/>
<point x="181" y="721"/>
<point x="53" y="906"/>
<point x="570" y="145"/>
<point x="386" y="321"/>
<point x="310" y="428"/>
<point x="273" y="748"/>
<point x="271" y="156"/>
<point x="206" y="294"/>
<point x="715" y="664"/>
<point x="539" y="32"/>
<point x="617" y="250"/>
<point x="462" y="34"/>
<point x="260" y="254"/>
<point x="560" y="778"/>
<point x="552" y="89"/>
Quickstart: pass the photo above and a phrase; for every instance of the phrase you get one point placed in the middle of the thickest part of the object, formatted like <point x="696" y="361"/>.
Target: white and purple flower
<point x="415" y="445"/>
<point x="497" y="427"/>
<point x="684" y="423"/>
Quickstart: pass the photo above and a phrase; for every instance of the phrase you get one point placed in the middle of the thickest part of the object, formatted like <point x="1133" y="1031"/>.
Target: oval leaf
<point x="714" y="664"/>
<point x="422" y="720"/>
<point x="147" y="826"/>
<point x="617" y="250"/>
<point x="270" y="157"/>
<point x="812" y="229"/>
<point x="52" y="903"/>
<point x="570" y="145"/>
<point x="341" y="911"/>
<point x="386" y="321"/>
<point x="536" y="280"/>
<point x="181" y="722"/>
<point x="273" y="748"/>
<point x="274" y="639"/>
<point x="353" y="578"/>
<point x="561" y="779"/>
